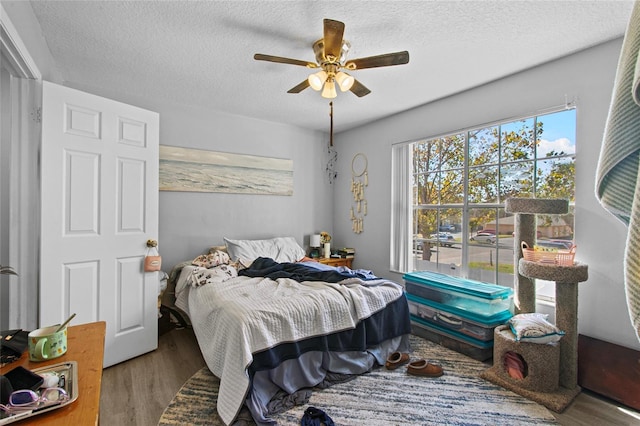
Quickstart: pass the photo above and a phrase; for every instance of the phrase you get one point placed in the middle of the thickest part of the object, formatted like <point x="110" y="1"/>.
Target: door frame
<point x="23" y="198"/>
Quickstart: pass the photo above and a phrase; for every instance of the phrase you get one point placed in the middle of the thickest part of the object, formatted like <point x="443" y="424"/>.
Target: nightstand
<point x="336" y="261"/>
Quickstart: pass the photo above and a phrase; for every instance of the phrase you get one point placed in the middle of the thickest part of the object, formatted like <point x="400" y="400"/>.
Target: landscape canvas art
<point x="196" y="170"/>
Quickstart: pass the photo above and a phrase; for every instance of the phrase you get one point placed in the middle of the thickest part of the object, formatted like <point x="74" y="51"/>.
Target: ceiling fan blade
<point x="333" y="32"/>
<point x="359" y="89"/>
<point x="388" y="59"/>
<point x="299" y="88"/>
<point x="281" y="60"/>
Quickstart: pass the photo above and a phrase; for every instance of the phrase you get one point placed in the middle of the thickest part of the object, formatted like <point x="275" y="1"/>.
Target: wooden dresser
<point x="85" y="344"/>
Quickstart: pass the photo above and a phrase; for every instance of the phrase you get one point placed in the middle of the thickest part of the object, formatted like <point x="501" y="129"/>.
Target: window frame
<point x="465" y="206"/>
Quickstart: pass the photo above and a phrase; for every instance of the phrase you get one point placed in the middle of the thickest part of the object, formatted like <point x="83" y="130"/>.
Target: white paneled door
<point x="99" y="207"/>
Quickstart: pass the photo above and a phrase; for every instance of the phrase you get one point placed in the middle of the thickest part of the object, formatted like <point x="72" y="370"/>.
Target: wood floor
<point x="136" y="392"/>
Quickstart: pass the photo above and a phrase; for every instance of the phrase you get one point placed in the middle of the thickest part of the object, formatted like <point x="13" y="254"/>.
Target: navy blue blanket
<point x="267" y="267"/>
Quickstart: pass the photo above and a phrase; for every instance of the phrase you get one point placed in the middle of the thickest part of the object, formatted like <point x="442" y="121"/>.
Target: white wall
<point x="24" y="20"/>
<point x="191" y="222"/>
<point x="586" y="76"/>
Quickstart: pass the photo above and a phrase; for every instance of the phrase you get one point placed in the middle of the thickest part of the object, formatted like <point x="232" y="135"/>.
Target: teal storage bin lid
<point x="461" y="285"/>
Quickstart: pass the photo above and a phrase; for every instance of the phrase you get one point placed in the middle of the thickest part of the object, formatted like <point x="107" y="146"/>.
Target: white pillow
<point x="280" y="249"/>
<point x="534" y="328"/>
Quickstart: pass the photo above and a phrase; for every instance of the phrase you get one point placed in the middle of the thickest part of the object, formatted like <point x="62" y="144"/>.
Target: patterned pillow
<point x="201" y="276"/>
<point x="212" y="259"/>
<point x="214" y="249"/>
<point x="534" y="328"/>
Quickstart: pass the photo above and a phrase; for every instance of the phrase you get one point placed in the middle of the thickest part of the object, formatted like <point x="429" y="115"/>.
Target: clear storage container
<point x="467" y="323"/>
<point x="473" y="348"/>
<point x="474" y="299"/>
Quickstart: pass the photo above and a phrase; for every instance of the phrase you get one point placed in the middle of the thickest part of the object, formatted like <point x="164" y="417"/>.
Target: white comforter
<point x="235" y="318"/>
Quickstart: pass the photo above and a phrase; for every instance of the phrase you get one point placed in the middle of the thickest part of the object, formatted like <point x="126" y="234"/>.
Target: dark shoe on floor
<point x="396" y="359"/>
<point x="423" y="368"/>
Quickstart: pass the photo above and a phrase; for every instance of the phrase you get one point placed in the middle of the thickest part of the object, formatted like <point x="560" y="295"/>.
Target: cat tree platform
<point x="567" y="279"/>
<point x="551" y="370"/>
<point x="543" y="362"/>
<point x="552" y="378"/>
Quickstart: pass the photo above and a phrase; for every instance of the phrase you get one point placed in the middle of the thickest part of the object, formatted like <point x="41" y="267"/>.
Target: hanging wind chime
<point x="359" y="180"/>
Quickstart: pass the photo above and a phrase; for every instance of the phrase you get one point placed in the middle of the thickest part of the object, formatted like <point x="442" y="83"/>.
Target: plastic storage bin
<point x="482" y="300"/>
<point x="473" y="348"/>
<point x="452" y="319"/>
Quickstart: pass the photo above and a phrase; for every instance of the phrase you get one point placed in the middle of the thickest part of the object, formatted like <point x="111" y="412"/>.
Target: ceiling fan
<point x="331" y="52"/>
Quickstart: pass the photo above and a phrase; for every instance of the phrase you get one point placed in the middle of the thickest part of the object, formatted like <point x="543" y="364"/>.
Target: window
<point x="458" y="184"/>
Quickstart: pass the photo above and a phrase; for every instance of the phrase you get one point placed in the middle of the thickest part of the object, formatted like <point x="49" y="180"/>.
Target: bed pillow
<point x="534" y="328"/>
<point x="214" y="249"/>
<point x="219" y="274"/>
<point x="211" y="259"/>
<point x="280" y="249"/>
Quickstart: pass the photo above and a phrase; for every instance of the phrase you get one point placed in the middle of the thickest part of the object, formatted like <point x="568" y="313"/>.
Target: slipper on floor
<point x="424" y="368"/>
<point x="396" y="359"/>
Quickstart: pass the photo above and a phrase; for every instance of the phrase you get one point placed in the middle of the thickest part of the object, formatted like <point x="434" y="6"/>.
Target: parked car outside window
<point x="444" y="238"/>
<point x="484" y="237"/>
<point x="557" y="244"/>
<point x="418" y="242"/>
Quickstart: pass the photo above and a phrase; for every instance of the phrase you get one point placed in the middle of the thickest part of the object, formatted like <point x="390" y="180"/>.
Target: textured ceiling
<point x="201" y="52"/>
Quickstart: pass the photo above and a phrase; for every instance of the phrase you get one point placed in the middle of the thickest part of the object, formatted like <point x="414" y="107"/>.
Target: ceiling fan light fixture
<point x="329" y="90"/>
<point x="345" y="81"/>
<point x="331" y="56"/>
<point x="317" y="80"/>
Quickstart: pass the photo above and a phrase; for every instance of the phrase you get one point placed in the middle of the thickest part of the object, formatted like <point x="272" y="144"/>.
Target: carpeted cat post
<point x="551" y="370"/>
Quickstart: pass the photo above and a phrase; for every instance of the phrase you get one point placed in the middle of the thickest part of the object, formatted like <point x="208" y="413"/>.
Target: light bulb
<point x="317" y="80"/>
<point x="329" y="90"/>
<point x="345" y="81"/>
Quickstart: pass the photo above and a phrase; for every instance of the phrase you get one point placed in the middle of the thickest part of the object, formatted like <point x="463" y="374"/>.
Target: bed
<point x="272" y="324"/>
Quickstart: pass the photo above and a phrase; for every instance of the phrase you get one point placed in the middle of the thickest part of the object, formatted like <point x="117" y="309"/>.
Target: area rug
<point x="382" y="397"/>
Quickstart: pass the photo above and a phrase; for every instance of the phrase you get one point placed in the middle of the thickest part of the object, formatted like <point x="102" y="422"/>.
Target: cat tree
<point x="551" y="369"/>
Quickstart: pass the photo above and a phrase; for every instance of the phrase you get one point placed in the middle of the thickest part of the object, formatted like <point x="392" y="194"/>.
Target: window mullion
<point x="465" y="208"/>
